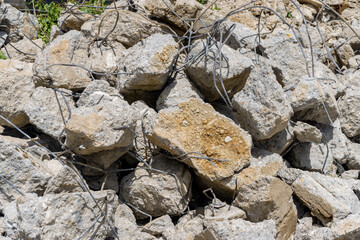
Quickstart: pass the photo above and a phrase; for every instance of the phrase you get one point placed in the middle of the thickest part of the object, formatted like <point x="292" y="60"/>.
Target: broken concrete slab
<point x="349" y="117"/>
<point x="180" y="90"/>
<point x="47" y="109"/>
<point x="184" y="9"/>
<point x="269" y="198"/>
<point x="262" y="112"/>
<point x="164" y="190"/>
<point x="305" y="132"/>
<point x="22" y="170"/>
<point x="279" y="142"/>
<point x="328" y="198"/>
<point x="147" y="64"/>
<point x="70" y="48"/>
<point x="16" y="87"/>
<point x="65" y="215"/>
<point x="239" y="229"/>
<point x="194" y="128"/>
<point x="234" y="71"/>
<point x="131" y="27"/>
<point x="28" y="50"/>
<point x="311" y="156"/>
<point x="101" y="126"/>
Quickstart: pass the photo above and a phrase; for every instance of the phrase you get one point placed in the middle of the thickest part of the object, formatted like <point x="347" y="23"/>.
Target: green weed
<point x="49" y="13"/>
<point x="47" y="18"/>
<point x="2" y="56"/>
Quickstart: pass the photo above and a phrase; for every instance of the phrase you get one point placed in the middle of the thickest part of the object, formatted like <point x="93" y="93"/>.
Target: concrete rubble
<point x="173" y="120"/>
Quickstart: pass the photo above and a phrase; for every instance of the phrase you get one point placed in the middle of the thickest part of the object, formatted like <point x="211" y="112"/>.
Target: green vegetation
<point x="47" y="18"/>
<point x="49" y="13"/>
<point x="202" y="1"/>
<point x="2" y="55"/>
<point x="217" y="8"/>
<point x="289" y="15"/>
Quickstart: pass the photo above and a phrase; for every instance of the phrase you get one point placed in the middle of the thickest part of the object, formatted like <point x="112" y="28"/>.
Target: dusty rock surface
<point x="16" y="88"/>
<point x="195" y="127"/>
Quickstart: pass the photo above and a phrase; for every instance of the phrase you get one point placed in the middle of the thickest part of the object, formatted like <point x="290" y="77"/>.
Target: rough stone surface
<point x="269" y="198"/>
<point x="307" y="133"/>
<point x="190" y="225"/>
<point x="44" y="112"/>
<point x="194" y="126"/>
<point x="180" y="90"/>
<point x="25" y="46"/>
<point x="220" y="211"/>
<point x="148" y="63"/>
<point x="348" y="228"/>
<point x="239" y="229"/>
<point x="156" y="193"/>
<point x="327" y="197"/>
<point x="21" y="169"/>
<point x="351" y="174"/>
<point x="279" y="142"/>
<point x="73" y="19"/>
<point x="349" y="116"/>
<point x="16" y="87"/>
<point x="70" y="48"/>
<point x="234" y="72"/>
<point x="184" y="8"/>
<point x="311" y="156"/>
<point x="130" y="28"/>
<point x="58" y="216"/>
<point x="104" y="60"/>
<point x="306" y="94"/>
<point x="282" y="49"/>
<point x="289" y="174"/>
<point x="160" y="226"/>
<point x="326" y="112"/>
<point x="261" y="112"/>
<point x="16" y="20"/>
<point x="91" y="127"/>
<point x="242" y="36"/>
<point x="146" y="116"/>
<point x="65" y="181"/>
<point x="263" y="164"/>
<point x="96" y="86"/>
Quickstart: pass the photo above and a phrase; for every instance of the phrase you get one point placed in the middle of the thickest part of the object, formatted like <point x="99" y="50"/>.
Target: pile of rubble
<point x="181" y="120"/>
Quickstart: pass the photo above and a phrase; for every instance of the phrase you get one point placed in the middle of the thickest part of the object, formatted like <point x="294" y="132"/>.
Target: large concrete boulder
<point x="21" y="23"/>
<point x="164" y="10"/>
<point x="180" y="90"/>
<point x="194" y="131"/>
<point x="46" y="109"/>
<point x="105" y="124"/>
<point x="70" y="48"/>
<point x="278" y="143"/>
<point x="130" y="28"/>
<point x="239" y="229"/>
<point x="60" y="216"/>
<point x="263" y="164"/>
<point x="234" y="70"/>
<point x="328" y="198"/>
<point x="259" y="110"/>
<point x="349" y="117"/>
<point x="269" y="198"/>
<point x="21" y="169"/>
<point x="163" y="189"/>
<point x="28" y="50"/>
<point x="312" y="157"/>
<point x="16" y="87"/>
<point x="147" y="64"/>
